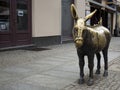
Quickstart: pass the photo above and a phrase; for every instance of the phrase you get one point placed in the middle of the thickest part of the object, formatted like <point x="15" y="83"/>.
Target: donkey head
<point x="79" y="26"/>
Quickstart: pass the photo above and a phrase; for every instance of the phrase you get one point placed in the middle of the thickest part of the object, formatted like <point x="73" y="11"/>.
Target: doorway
<point x="67" y="20"/>
<point x="15" y="23"/>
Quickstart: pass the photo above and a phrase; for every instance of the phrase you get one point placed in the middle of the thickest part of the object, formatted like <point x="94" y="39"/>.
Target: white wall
<point x="80" y="5"/>
<point x="46" y="18"/>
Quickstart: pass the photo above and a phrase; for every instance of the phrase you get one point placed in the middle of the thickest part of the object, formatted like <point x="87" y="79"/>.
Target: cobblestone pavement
<point x="112" y="82"/>
<point x="55" y="69"/>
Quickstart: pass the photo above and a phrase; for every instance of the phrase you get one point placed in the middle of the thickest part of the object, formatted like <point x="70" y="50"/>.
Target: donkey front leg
<point x="90" y="65"/>
<point x="81" y="65"/>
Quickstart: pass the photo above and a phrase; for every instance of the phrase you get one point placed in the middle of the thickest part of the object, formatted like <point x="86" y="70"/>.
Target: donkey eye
<point x="75" y="31"/>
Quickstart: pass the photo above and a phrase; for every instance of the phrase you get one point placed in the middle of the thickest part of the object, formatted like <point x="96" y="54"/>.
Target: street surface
<point x="55" y="69"/>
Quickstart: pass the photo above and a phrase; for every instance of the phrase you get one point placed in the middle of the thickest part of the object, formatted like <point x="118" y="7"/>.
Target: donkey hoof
<point x="81" y="81"/>
<point x="105" y="73"/>
<point x="90" y="82"/>
<point x="97" y="72"/>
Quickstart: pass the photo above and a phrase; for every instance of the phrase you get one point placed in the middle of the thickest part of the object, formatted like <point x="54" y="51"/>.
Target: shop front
<point x="36" y="22"/>
<point x="15" y="23"/>
<point x="105" y="11"/>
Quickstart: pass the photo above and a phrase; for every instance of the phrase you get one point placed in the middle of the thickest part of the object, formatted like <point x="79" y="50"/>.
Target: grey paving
<point x="55" y="69"/>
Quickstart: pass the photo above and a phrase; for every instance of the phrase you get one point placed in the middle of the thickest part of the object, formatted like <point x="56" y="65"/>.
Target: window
<point x="4" y="15"/>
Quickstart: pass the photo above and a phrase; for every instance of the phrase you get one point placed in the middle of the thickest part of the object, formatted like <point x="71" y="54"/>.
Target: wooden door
<point x="22" y="29"/>
<point x="6" y="36"/>
<point x="15" y="22"/>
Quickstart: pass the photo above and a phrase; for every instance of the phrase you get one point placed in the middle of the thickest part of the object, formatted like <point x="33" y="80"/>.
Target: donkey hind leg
<point x="105" y="55"/>
<point x="90" y="65"/>
<point x="81" y="65"/>
<point x="98" y="63"/>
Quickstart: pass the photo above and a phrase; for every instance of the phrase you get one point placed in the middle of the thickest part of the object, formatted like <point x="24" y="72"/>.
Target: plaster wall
<point x="80" y="5"/>
<point x="46" y="18"/>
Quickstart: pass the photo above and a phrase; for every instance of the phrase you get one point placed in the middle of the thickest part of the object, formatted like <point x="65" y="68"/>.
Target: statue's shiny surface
<point x="90" y="40"/>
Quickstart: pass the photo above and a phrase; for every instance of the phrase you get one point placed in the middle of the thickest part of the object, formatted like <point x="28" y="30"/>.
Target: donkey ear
<point x="74" y="12"/>
<point x="90" y="15"/>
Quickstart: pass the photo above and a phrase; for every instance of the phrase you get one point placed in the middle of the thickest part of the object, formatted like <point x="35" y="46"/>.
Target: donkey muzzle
<point x="79" y="42"/>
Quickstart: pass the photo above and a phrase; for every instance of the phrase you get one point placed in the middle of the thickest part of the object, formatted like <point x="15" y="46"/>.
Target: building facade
<point x="15" y="23"/>
<point x="117" y="26"/>
<point x="52" y="22"/>
<point x="48" y="22"/>
<point x="106" y="9"/>
<point x="36" y="22"/>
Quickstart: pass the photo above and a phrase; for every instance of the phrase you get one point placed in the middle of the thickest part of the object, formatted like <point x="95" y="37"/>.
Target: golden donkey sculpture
<point x="90" y="40"/>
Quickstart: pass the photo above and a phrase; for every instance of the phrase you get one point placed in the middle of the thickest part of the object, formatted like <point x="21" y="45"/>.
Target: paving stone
<point x="46" y="81"/>
<point x="6" y="77"/>
<point x="24" y="86"/>
<point x="28" y="68"/>
<point x="63" y="75"/>
<point x="69" y="68"/>
<point x="115" y="67"/>
<point x="54" y="58"/>
<point x="15" y="69"/>
<point x="49" y="61"/>
<point x="56" y="69"/>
